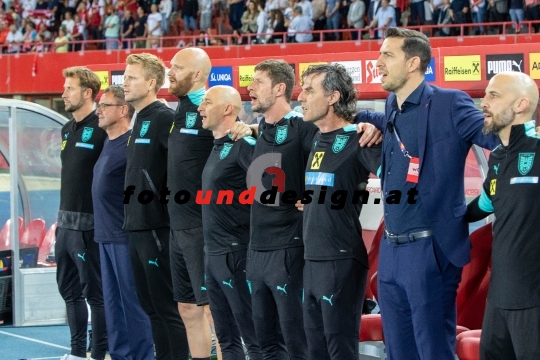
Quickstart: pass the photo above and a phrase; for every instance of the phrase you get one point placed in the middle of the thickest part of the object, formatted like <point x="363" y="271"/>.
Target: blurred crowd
<point x="66" y="25"/>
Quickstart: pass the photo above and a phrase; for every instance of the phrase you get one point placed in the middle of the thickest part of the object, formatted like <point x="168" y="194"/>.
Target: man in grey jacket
<point x="355" y="17"/>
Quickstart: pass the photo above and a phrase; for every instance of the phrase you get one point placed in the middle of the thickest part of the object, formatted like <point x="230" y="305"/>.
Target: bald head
<point x="227" y="96"/>
<point x="189" y="71"/>
<point x="196" y="58"/>
<point x="511" y="99"/>
<point x="219" y="109"/>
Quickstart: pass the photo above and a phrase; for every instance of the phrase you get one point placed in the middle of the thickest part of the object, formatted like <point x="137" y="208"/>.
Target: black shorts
<point x="187" y="266"/>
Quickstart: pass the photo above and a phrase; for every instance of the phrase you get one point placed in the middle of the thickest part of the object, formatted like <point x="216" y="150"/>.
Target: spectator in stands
<point x="205" y="7"/>
<point x="4" y="31"/>
<point x="236" y="10"/>
<point x="77" y="34"/>
<point x="276" y="24"/>
<point x="418" y="15"/>
<point x="189" y="13"/>
<point x="307" y="8"/>
<point x="445" y="17"/>
<point x="436" y="6"/>
<point x="153" y="22"/>
<point x="497" y="12"/>
<point x="13" y="39"/>
<point x="249" y="19"/>
<point x="203" y="40"/>
<point x="287" y="13"/>
<point x="68" y="23"/>
<point x="28" y="5"/>
<point x="11" y="16"/>
<point x="112" y="28"/>
<point x="94" y="25"/>
<point x="319" y="18"/>
<point x="57" y="9"/>
<point x="165" y="8"/>
<point x="44" y="32"/>
<point x="300" y="24"/>
<point x="28" y="37"/>
<point x="460" y="8"/>
<point x="275" y="4"/>
<point x="262" y="22"/>
<point x="128" y="29"/>
<point x="38" y="46"/>
<point x="384" y="18"/>
<point x="141" y="28"/>
<point x="532" y="12"/>
<point x="478" y="12"/>
<point x="332" y="16"/>
<point x="355" y="17"/>
<point x="61" y="41"/>
<point x="374" y="5"/>
<point x="42" y="5"/>
<point x="517" y="14"/>
<point x="22" y="26"/>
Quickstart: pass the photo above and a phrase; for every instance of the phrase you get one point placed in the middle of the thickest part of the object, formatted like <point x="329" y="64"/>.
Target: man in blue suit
<point x="428" y="132"/>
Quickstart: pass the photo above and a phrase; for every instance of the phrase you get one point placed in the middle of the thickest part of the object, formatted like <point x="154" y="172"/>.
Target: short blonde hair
<point x="152" y="66"/>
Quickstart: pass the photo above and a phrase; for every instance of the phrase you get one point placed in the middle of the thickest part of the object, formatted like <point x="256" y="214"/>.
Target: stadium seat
<point x="33" y="234"/>
<point x="472" y="291"/>
<point x="5" y="234"/>
<point x="373" y="259"/>
<point x="468" y="345"/>
<point x="48" y="240"/>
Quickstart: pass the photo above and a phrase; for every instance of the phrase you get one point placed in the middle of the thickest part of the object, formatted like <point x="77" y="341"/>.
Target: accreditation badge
<point x="414" y="170"/>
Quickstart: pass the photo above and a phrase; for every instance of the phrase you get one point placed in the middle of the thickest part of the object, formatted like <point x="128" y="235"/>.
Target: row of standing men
<point x="280" y="279"/>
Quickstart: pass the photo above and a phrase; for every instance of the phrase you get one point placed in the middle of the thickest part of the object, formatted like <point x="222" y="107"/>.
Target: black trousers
<point x="149" y="251"/>
<point x="510" y="334"/>
<point x="334" y="295"/>
<point x="78" y="275"/>
<point x="277" y="291"/>
<point x="230" y="303"/>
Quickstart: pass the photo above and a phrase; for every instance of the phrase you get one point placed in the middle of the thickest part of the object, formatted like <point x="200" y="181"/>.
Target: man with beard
<point x="77" y="254"/>
<point x="189" y="147"/>
<point x="428" y="134"/>
<point x="146" y="215"/>
<point x="276" y="253"/>
<point x="511" y="327"/>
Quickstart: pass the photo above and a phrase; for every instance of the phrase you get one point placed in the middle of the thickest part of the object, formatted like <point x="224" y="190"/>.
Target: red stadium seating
<point x="468" y="345"/>
<point x="49" y="239"/>
<point x="5" y="234"/>
<point x="33" y="234"/>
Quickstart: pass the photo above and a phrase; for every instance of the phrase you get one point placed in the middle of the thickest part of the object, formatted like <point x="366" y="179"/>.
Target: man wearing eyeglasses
<point x="128" y="326"/>
<point x="77" y="254"/>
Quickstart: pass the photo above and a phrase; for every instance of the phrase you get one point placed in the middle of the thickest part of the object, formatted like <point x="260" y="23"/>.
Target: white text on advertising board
<point x="372" y="73"/>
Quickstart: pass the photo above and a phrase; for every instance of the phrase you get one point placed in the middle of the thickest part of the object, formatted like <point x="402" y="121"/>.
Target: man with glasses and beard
<point x="77" y="254"/>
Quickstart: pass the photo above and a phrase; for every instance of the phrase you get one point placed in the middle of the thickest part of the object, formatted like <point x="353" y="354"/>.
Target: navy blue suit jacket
<point x="449" y="124"/>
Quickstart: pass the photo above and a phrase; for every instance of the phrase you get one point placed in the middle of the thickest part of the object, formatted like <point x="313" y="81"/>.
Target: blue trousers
<point x="417" y="288"/>
<point x="128" y="326"/>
